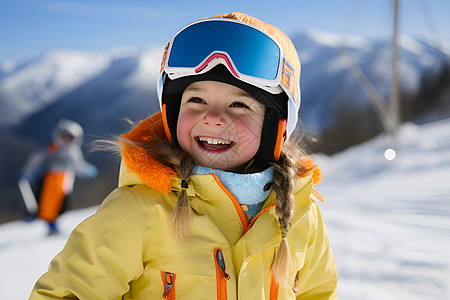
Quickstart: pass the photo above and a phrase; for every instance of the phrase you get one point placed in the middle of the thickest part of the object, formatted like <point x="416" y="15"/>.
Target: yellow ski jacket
<point x="129" y="250"/>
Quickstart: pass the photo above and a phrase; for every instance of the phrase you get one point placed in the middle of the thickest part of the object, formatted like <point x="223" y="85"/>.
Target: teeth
<point x="213" y="141"/>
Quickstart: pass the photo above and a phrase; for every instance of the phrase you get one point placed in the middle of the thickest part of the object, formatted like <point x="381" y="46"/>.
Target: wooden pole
<point x="395" y="94"/>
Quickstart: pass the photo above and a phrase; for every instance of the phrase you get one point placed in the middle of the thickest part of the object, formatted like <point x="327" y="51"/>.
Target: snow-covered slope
<point x="25" y="252"/>
<point x="388" y="221"/>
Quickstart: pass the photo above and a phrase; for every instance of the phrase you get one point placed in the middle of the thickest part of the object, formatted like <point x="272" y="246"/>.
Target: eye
<point x="196" y="100"/>
<point x="239" y="105"/>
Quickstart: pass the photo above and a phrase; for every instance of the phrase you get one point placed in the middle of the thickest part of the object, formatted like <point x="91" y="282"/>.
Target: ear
<point x="166" y="125"/>
<point x="281" y="137"/>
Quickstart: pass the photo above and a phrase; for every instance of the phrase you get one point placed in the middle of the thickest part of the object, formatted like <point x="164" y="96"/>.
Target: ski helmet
<point x="67" y="128"/>
<point x="243" y="51"/>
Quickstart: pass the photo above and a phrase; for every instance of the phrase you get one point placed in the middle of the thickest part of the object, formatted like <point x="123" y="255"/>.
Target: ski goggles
<point x="249" y="53"/>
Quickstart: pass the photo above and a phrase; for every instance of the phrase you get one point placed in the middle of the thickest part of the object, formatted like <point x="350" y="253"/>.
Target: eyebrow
<point x="239" y="92"/>
<point x="243" y="93"/>
<point x="194" y="89"/>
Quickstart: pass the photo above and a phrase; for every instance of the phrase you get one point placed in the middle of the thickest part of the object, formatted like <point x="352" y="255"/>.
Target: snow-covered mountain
<point x="114" y="81"/>
<point x="92" y="87"/>
<point x="28" y="88"/>
<point x="388" y="222"/>
<point x="99" y="90"/>
<point x="340" y="74"/>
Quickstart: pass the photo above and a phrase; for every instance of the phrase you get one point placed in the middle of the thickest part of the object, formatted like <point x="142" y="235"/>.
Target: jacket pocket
<point x="221" y="276"/>
<point x="169" y="285"/>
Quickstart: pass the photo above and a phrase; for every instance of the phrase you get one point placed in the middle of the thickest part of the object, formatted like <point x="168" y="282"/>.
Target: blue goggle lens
<point x="252" y="51"/>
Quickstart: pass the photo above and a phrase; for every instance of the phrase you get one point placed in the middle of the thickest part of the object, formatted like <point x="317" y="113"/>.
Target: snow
<point x="7" y="66"/>
<point x="148" y="71"/>
<point x="411" y="44"/>
<point x="29" y="88"/>
<point x="335" y="41"/>
<point x="25" y="252"/>
<point x="42" y="81"/>
<point x="388" y="221"/>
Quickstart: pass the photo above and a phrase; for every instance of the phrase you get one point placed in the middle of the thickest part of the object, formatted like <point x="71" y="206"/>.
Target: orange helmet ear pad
<point x="281" y="138"/>
<point x="165" y="124"/>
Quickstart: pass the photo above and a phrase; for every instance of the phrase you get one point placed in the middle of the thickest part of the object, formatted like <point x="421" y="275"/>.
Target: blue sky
<point x="31" y="27"/>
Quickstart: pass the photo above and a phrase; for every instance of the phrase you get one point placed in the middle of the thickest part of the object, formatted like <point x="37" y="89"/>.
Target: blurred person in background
<point x="52" y="171"/>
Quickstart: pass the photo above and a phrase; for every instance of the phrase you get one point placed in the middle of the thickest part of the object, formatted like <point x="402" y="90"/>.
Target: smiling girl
<point x="219" y="124"/>
<point x="213" y="202"/>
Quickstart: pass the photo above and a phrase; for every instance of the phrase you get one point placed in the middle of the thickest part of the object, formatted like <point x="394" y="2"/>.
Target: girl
<point x="212" y="203"/>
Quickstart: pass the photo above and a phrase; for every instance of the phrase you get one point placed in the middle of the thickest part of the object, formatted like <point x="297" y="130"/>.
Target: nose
<point x="214" y="118"/>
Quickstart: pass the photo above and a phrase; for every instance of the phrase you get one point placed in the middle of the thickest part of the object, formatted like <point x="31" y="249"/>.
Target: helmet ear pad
<point x="273" y="132"/>
<point x="276" y="110"/>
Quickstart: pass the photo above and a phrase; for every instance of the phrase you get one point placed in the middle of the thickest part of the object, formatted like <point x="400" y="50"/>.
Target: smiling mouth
<point x="214" y="144"/>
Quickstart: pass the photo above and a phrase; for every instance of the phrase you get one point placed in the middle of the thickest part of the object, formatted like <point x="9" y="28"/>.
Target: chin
<point x="217" y="165"/>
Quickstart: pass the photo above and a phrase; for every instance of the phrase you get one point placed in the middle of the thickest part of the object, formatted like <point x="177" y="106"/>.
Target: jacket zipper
<point x="169" y="285"/>
<point x="257" y="215"/>
<point x="221" y="275"/>
<point x="237" y="205"/>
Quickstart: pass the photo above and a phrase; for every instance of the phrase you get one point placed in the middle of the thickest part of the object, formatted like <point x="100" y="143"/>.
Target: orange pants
<point x="52" y="195"/>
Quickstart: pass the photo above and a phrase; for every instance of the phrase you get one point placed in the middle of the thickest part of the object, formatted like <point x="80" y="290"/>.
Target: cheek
<point x="184" y="127"/>
<point x="251" y="127"/>
<point x="249" y="132"/>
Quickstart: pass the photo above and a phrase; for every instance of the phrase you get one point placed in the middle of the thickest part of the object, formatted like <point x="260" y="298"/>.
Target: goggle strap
<point x="164" y="57"/>
<point x="289" y="81"/>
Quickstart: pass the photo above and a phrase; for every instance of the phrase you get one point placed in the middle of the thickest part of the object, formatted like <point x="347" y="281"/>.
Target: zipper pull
<point x="168" y="283"/>
<point x="221" y="261"/>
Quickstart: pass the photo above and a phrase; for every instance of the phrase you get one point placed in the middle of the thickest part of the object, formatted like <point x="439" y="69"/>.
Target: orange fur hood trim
<point x="138" y="160"/>
<point x="309" y="166"/>
<point x="156" y="175"/>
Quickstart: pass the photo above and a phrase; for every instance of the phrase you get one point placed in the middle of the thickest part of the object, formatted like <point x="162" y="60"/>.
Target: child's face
<point x="219" y="124"/>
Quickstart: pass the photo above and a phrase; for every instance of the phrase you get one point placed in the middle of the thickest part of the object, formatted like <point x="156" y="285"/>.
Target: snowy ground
<point x="26" y="251"/>
<point x="389" y="222"/>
